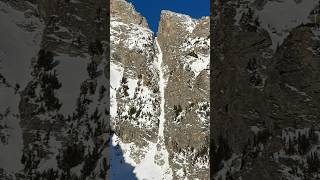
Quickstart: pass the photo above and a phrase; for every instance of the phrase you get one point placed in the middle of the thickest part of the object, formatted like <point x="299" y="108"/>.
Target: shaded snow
<point x="18" y="46"/>
<point x="8" y="99"/>
<point x="279" y="17"/>
<point x="119" y="167"/>
<point x="51" y="162"/>
<point x="71" y="73"/>
<point x="11" y="153"/>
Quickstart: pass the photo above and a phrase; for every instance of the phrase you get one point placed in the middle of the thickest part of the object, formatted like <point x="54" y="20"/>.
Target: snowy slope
<point x="71" y="82"/>
<point x="280" y="17"/>
<point x="35" y="132"/>
<point x="20" y="42"/>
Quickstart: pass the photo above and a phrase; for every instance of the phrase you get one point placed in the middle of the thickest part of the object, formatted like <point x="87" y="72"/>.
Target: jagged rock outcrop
<point x="137" y="100"/>
<point x="72" y="25"/>
<point x="265" y="101"/>
<point x="185" y="45"/>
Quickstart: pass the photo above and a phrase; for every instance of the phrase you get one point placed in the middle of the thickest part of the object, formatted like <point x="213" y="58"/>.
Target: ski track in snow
<point x="148" y="169"/>
<point x="162" y="88"/>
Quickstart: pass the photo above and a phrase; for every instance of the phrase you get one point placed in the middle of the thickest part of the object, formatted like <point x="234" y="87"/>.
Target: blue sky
<point x="151" y="9"/>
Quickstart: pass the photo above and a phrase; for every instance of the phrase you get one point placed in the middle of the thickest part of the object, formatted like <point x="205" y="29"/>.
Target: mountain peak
<point x="126" y="12"/>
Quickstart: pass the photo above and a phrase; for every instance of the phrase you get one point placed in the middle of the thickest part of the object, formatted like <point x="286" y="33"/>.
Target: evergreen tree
<point x="104" y="169"/>
<point x="102" y="92"/>
<point x="92" y="70"/>
<point x="303" y="144"/>
<point x="222" y="152"/>
<point x="313" y="162"/>
<point x="90" y="162"/>
<point x="95" y="48"/>
<point x="313" y="136"/>
<point x="125" y="87"/>
<point x="290" y="150"/>
<point x="71" y="156"/>
<point x="45" y="60"/>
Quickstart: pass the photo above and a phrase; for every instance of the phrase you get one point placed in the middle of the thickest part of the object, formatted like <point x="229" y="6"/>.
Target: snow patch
<point x="279" y="17"/>
<point x="70" y="80"/>
<point x="20" y="42"/>
<point x="197" y="57"/>
<point x="136" y="38"/>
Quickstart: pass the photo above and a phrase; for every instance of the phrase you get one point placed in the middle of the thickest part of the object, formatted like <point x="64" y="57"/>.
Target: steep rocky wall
<point x="185" y="46"/>
<point x="132" y="48"/>
<point x="182" y="61"/>
<point x="265" y="100"/>
<point x="72" y="25"/>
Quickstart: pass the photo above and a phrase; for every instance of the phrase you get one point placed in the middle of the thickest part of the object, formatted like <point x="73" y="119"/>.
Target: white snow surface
<point x="116" y="73"/>
<point x="136" y="38"/>
<point x="279" y="17"/>
<point x="196" y="64"/>
<point x="203" y="113"/>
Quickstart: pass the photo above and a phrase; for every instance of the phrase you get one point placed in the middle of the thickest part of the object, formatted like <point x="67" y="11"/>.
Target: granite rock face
<point x="264" y="90"/>
<point x="160" y="94"/>
<point x="185" y="45"/>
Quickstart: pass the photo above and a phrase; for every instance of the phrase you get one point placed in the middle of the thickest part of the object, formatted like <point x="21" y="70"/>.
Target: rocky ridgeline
<point x="132" y="50"/>
<point x="185" y="44"/>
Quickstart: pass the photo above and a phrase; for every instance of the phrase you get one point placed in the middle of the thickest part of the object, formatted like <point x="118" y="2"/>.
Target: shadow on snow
<point x="119" y="169"/>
